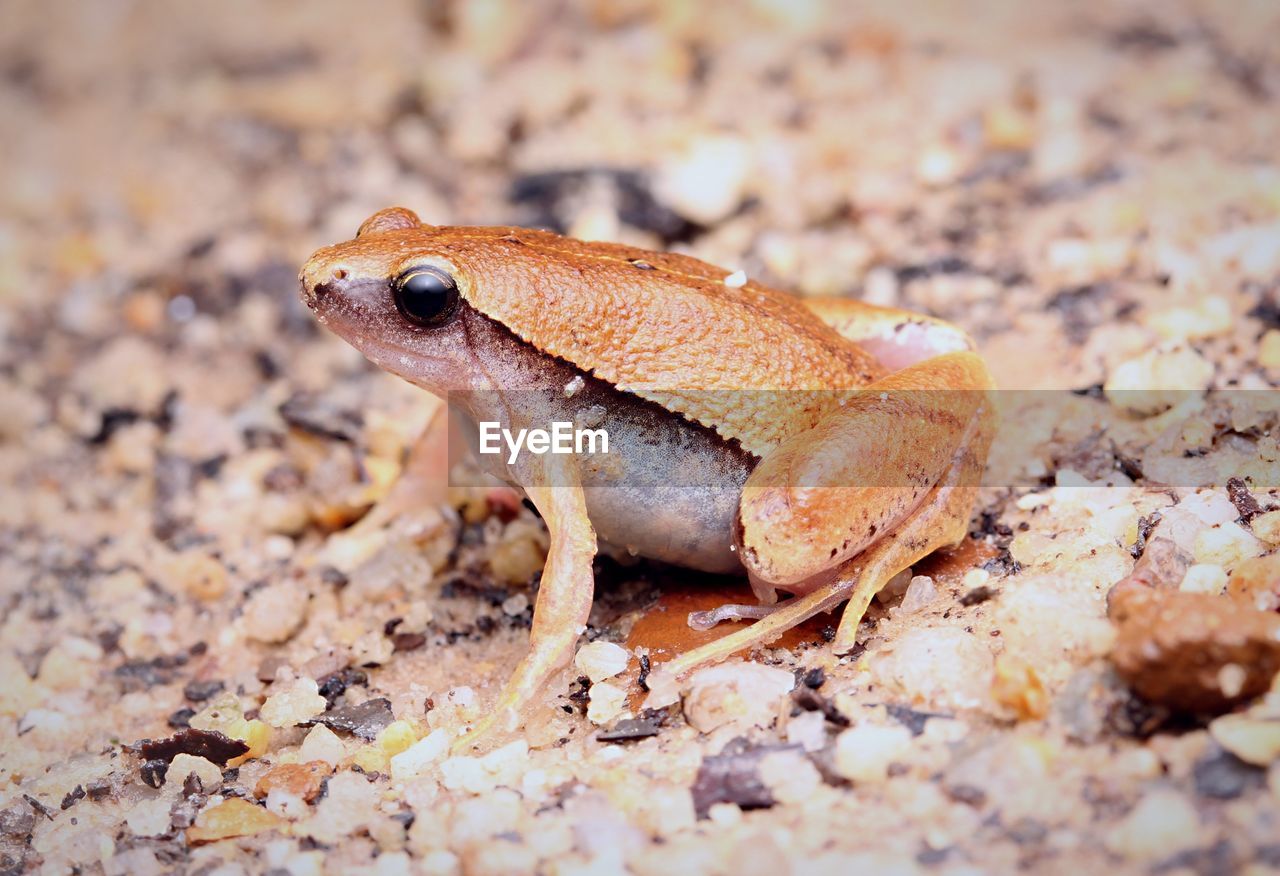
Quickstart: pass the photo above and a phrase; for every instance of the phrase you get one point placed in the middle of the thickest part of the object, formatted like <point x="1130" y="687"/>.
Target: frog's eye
<point x="425" y="295"/>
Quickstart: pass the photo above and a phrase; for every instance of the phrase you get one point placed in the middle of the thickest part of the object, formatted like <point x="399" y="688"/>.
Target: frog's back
<point x="663" y="326"/>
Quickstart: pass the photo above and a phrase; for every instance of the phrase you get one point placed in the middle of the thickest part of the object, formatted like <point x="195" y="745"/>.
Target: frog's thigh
<point x="560" y="612"/>
<point x="897" y="338"/>
<point x="823" y="497"/>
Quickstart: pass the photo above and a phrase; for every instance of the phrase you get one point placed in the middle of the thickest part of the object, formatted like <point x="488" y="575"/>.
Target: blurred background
<point x="994" y="163"/>
<point x="1090" y="189"/>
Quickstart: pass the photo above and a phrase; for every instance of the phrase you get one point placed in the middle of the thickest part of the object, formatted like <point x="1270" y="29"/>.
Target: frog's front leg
<point x="563" y="604"/>
<point x="834" y="513"/>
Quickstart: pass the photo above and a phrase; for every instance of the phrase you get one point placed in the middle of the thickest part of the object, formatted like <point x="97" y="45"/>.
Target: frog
<point x="815" y="446"/>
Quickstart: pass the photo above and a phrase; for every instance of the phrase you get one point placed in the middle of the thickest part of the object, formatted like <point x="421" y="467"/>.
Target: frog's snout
<point x="319" y="279"/>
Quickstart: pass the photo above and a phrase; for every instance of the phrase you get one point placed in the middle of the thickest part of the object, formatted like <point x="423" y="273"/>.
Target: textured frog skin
<point x="647" y="323"/>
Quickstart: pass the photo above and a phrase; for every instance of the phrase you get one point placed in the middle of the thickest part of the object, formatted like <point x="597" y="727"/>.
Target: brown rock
<point x="298" y="779"/>
<point x="1193" y="652"/>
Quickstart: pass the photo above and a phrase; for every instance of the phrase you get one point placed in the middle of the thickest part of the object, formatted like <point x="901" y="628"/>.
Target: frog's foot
<point x="705" y="620"/>
<point x="665" y="679"/>
<point x="940" y="521"/>
<point x="559" y="614"/>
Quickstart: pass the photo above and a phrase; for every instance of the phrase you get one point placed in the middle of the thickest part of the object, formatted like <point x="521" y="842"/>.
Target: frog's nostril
<point x="339" y="273"/>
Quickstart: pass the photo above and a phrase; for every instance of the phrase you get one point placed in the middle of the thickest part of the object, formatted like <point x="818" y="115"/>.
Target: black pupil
<point x="425" y="295"/>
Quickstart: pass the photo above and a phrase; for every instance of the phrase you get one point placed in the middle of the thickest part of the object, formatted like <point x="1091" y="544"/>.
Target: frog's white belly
<point x="667" y="489"/>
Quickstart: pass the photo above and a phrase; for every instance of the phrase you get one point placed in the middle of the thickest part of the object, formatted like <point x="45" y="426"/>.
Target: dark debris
<point x="1223" y="776"/>
<point x="209" y="744"/>
<point x="733" y="776"/>
<point x="365" y="720"/>
<point x="629" y="729"/>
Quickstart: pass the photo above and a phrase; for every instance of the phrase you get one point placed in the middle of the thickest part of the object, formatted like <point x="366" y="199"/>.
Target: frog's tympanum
<point x="835" y="442"/>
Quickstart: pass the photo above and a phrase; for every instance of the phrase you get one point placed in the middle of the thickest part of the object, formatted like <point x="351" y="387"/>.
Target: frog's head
<point x="393" y="293"/>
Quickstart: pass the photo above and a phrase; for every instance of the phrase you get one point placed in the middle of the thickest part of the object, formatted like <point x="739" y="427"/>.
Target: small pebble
<point x="303" y="780"/>
<point x="185" y="764"/>
<point x="321" y="743"/>
<point x="1209" y="316"/>
<point x="1225" y="545"/>
<point x="1269" y="350"/>
<point x="707" y="181"/>
<point x="790" y="776"/>
<point x="1253" y="740"/>
<point x="1267" y="527"/>
<point x="196" y="573"/>
<point x="599" y="660"/>
<point x="740" y="693"/>
<point x="415" y="759"/>
<point x="607" y="702"/>
<point x="349" y="805"/>
<point x="1256" y="581"/>
<point x="233" y="817"/>
<point x="274" y="613"/>
<point x="300" y="701"/>
<point x="938" y="165"/>
<point x="864" y="753"/>
<point x="1162" y="823"/>
<point x="1018" y="687"/>
<point x="520" y="554"/>
<point x="1204" y="578"/>
<point x="920" y="593"/>
<point x="149" y="817"/>
<point x="1158" y="379"/>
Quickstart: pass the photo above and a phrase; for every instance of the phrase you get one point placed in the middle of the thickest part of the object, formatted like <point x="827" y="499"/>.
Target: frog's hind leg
<point x="848" y="508"/>
<point x="941" y="520"/>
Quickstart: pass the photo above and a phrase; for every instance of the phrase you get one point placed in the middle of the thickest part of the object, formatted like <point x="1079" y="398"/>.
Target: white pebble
<point x="1254" y="740"/>
<point x="599" y="660"/>
<point x="322" y="744"/>
<point x="864" y="752"/>
<point x="1204" y="578"/>
<point x="1225" y="544"/>
<point x="185" y="764"/>
<point x="1158" y="379"/>
<point x="920" y="593"/>
<point x="300" y="701"/>
<point x="515" y="605"/>
<point x="607" y="702"/>
<point x="708" y="181"/>
<point x="275" y="612"/>
<point x="415" y="759"/>
<point x="1163" y="823"/>
<point x="745" y="694"/>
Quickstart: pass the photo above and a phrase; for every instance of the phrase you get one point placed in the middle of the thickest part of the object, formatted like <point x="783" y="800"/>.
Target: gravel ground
<point x="215" y="660"/>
